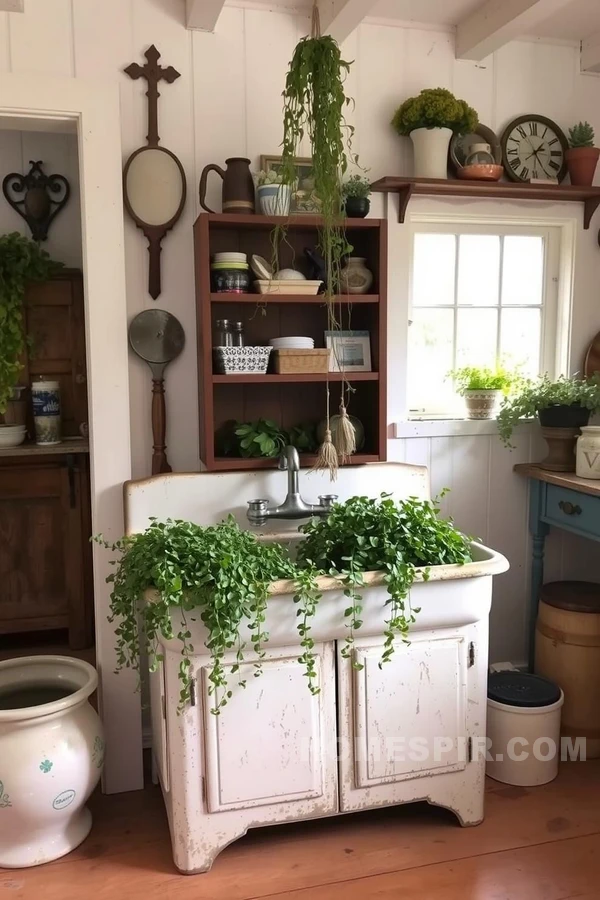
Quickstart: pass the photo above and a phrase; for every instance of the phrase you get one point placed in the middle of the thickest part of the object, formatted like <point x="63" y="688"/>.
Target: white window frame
<point x="557" y="287"/>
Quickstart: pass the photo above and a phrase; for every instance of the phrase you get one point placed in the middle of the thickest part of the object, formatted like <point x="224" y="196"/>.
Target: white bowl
<point x="292" y="343"/>
<point x="12" y="435"/>
<point x="289" y="275"/>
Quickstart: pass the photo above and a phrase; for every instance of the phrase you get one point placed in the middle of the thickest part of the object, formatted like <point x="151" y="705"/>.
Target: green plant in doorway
<point x="21" y="261"/>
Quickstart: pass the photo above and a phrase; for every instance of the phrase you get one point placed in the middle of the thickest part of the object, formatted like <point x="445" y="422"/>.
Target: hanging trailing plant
<point x="21" y="261"/>
<point x="314" y="105"/>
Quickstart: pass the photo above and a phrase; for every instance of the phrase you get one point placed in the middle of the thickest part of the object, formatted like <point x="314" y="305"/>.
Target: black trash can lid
<point x="522" y="689"/>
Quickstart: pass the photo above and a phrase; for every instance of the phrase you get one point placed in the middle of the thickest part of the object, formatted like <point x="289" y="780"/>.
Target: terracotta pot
<point x="238" y="186"/>
<point x="581" y="163"/>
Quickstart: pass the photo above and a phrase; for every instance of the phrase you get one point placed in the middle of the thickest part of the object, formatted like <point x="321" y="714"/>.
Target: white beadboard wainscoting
<point x="488" y="501"/>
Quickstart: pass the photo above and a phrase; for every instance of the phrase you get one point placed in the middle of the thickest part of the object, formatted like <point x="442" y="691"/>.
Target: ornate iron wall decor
<point x="37" y="197"/>
<point x="154" y="184"/>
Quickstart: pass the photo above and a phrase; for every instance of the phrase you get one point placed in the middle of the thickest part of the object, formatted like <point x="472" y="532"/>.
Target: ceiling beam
<point x="202" y="15"/>
<point x="590" y="53"/>
<point x="499" y="21"/>
<point x="339" y="18"/>
<point x="12" y="5"/>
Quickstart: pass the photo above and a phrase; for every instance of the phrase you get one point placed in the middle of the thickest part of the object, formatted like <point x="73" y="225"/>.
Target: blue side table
<point x="562" y="500"/>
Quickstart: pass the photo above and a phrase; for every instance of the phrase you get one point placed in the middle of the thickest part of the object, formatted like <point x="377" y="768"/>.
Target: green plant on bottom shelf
<point x="534" y="395"/>
<point x="261" y="438"/>
<point x="21" y="261"/>
<point x="581" y="135"/>
<point x="221" y="574"/>
<point x="474" y="378"/>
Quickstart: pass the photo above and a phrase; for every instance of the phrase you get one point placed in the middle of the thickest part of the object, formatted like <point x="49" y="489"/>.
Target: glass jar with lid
<point x="224" y="333"/>
<point x="480" y="155"/>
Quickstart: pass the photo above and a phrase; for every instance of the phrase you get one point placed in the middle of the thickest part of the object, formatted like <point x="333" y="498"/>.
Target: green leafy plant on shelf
<point x="474" y="378"/>
<point x="261" y="438"/>
<point x="21" y="262"/>
<point x="581" y="135"/>
<point x="435" y="108"/>
<point x="223" y="574"/>
<point x="356" y="186"/>
<point x="535" y="395"/>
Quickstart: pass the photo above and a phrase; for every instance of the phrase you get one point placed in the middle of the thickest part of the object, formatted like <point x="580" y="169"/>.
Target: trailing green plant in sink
<point x="221" y="575"/>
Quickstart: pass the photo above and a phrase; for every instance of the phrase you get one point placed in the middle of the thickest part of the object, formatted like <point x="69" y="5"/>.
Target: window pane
<point x="523" y="270"/>
<point x="433" y="271"/>
<point x="430" y="360"/>
<point x="478" y="268"/>
<point x="521" y="339"/>
<point x="476" y="337"/>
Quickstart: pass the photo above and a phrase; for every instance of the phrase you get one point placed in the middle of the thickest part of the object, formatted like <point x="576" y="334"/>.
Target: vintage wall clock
<point x="534" y="147"/>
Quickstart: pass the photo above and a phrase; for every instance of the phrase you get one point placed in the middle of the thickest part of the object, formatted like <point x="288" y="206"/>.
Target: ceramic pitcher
<point x="238" y="186"/>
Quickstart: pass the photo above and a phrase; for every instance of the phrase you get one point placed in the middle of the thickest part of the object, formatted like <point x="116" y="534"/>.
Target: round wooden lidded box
<point x="567" y="650"/>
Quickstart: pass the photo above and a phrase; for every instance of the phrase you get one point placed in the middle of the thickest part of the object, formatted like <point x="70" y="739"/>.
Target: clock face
<point x="534" y="147"/>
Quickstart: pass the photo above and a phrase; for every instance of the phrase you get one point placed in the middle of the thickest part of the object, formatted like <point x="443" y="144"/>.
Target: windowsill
<point x="421" y="428"/>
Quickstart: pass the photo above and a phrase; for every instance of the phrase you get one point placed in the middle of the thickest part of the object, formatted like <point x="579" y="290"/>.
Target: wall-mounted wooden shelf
<point x="289" y="400"/>
<point x="297" y="378"/>
<point x="292" y="298"/>
<point x="486" y="190"/>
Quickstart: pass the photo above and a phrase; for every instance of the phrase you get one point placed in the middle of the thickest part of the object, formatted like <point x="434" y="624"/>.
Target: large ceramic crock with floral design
<point x="51" y="757"/>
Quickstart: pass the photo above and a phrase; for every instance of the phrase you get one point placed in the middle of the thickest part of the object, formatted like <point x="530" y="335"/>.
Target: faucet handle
<point x="327" y="500"/>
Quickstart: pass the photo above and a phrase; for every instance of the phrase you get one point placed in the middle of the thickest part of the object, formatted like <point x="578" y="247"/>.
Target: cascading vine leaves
<point x="222" y="574"/>
<point x="21" y="261"/>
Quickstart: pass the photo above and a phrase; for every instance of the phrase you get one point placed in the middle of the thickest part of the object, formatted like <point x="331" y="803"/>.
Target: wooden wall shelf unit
<point x="287" y="399"/>
<point x="497" y="190"/>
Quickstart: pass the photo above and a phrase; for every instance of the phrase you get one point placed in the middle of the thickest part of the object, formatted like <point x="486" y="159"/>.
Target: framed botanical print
<point x="304" y="199"/>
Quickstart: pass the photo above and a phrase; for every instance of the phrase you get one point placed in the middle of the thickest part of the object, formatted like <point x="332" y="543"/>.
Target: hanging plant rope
<point x="314" y="105"/>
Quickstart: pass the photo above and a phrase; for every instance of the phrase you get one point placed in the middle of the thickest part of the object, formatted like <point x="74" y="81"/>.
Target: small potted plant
<point x="562" y="407"/>
<point x="355" y="194"/>
<point x="482" y="389"/>
<point x="582" y="156"/>
<point x="430" y="119"/>
<point x="274" y="197"/>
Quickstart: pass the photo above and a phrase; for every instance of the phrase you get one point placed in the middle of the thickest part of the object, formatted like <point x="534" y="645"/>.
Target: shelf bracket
<point x="589" y="208"/>
<point x="404" y="195"/>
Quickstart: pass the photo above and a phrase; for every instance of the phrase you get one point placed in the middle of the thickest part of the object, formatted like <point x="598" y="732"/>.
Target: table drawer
<point x="572" y="509"/>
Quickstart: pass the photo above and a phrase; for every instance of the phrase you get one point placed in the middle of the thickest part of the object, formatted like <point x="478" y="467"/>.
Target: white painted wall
<point x="58" y="152"/>
<point x="228" y="102"/>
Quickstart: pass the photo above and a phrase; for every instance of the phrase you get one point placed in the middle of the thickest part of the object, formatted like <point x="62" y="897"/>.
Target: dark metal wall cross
<point x="153" y="73"/>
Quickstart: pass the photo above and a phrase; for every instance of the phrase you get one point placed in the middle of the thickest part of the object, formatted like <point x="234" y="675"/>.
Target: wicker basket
<point x="301" y="362"/>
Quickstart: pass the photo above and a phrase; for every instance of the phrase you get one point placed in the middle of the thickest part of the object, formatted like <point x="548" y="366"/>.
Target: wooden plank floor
<point x="535" y="844"/>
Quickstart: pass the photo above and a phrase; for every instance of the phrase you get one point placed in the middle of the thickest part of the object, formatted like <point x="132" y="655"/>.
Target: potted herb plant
<point x="274" y="194"/>
<point x="562" y="407"/>
<point x="355" y="194"/>
<point x="21" y="261"/>
<point x="430" y="119"/>
<point x="482" y="389"/>
<point x="582" y="156"/>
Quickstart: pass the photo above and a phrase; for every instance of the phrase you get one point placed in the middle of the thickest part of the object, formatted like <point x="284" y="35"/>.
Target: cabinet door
<point x="274" y="742"/>
<point x="402" y="721"/>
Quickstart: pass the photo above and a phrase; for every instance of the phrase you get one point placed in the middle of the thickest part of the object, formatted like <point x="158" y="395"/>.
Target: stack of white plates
<point x="292" y="343"/>
<point x="12" y="435"/>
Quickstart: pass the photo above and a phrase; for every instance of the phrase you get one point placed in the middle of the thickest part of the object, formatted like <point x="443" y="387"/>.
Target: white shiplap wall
<point x="228" y="102"/>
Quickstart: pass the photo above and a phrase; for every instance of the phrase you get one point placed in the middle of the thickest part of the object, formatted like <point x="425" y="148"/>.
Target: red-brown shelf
<point x="254" y="221"/>
<point x="497" y="190"/>
<point x="293" y="298"/>
<point x="294" y="379"/>
<point x="229" y="463"/>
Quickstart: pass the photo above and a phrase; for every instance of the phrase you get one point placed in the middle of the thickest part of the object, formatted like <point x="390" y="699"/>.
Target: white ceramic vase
<point x="274" y="199"/>
<point x="588" y="452"/>
<point x="431" y="152"/>
<point x="482" y="404"/>
<point x="51" y="757"/>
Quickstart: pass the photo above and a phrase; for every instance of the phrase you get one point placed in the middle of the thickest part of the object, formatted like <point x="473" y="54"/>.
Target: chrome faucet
<point x="293" y="507"/>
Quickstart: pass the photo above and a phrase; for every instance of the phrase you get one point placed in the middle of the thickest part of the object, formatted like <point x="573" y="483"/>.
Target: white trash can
<point x="524" y="728"/>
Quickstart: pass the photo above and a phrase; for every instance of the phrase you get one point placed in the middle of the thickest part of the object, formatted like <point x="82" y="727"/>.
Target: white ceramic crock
<point x="51" y="757"/>
<point x="274" y="199"/>
<point x="431" y="152"/>
<point x="588" y="452"/>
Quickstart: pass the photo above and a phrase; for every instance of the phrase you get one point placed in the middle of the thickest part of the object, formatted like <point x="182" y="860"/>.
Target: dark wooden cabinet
<point x="287" y="399"/>
<point x="45" y="556"/>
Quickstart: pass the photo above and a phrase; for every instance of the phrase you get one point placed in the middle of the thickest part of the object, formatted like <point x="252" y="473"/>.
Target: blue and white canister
<point x="46" y="411"/>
